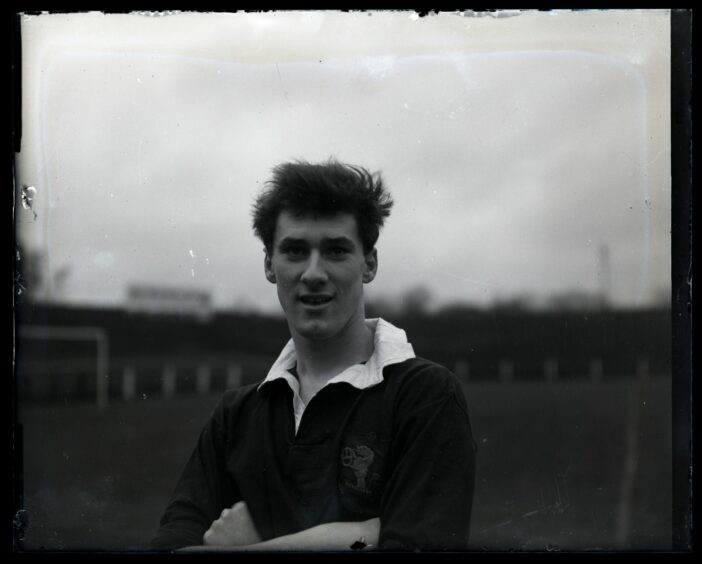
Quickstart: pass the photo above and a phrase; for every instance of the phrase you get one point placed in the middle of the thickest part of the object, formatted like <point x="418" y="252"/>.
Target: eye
<point x="337" y="252"/>
<point x="294" y="251"/>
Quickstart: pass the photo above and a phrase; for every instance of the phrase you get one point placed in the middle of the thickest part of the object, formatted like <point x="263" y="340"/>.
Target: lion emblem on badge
<point x="359" y="460"/>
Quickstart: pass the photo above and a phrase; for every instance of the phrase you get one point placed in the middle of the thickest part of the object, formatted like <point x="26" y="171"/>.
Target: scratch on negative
<point x="658" y="156"/>
<point x="464" y="279"/>
<point x="503" y="524"/>
<point x="280" y="78"/>
<point x="557" y="507"/>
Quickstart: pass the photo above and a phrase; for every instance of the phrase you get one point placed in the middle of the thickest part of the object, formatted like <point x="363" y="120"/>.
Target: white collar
<point x="390" y="347"/>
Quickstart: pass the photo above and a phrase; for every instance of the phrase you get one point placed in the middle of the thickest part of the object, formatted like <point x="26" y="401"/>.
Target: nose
<point x="314" y="273"/>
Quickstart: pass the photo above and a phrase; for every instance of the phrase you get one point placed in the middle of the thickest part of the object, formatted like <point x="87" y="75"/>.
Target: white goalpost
<point x="96" y="334"/>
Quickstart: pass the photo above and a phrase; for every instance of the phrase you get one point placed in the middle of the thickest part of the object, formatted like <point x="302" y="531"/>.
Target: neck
<point x="320" y="360"/>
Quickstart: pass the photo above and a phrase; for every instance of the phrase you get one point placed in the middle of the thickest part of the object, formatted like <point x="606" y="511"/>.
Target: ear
<point x="268" y="269"/>
<point x="370" y="266"/>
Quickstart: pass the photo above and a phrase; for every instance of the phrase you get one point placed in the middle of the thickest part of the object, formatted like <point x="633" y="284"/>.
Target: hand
<point x="233" y="528"/>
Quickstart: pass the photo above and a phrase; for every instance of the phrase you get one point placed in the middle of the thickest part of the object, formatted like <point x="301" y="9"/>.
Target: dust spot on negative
<point x="27" y="197"/>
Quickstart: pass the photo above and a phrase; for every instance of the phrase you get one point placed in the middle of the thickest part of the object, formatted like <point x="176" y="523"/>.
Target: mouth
<point x="315" y="300"/>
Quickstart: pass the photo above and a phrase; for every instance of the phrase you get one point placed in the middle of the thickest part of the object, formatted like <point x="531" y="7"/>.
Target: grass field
<point x="566" y="465"/>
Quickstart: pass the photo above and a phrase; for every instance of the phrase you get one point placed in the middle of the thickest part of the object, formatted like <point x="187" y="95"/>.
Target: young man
<point x="350" y="441"/>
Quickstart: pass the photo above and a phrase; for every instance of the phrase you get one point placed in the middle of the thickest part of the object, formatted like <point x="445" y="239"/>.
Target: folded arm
<point x="235" y="530"/>
<point x="354" y="535"/>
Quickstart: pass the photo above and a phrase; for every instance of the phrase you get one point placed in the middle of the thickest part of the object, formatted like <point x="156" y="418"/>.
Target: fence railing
<point x="549" y="369"/>
<point x="130" y="379"/>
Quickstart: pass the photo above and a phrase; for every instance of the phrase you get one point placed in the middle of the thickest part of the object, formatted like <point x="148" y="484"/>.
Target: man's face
<point x="319" y="267"/>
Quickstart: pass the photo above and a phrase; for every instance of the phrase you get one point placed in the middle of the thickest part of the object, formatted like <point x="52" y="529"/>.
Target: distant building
<point x="160" y="300"/>
<point x="578" y="301"/>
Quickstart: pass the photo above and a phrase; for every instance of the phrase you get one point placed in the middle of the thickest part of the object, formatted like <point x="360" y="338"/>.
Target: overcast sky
<point x="516" y="148"/>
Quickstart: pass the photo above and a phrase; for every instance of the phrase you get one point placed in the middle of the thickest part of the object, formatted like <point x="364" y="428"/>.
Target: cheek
<point x="286" y="285"/>
<point x="284" y="275"/>
<point x="352" y="280"/>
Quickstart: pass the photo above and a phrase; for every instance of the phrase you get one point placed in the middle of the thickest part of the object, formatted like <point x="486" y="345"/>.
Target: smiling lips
<point x="315" y="300"/>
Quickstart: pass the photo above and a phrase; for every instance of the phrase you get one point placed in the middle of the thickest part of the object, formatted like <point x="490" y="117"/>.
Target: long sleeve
<point x="428" y="497"/>
<point x="203" y="489"/>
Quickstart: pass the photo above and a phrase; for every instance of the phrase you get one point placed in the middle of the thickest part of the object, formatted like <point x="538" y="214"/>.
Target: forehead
<point x="313" y="228"/>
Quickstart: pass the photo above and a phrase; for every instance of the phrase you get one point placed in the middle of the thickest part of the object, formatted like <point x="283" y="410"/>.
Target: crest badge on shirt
<point x="361" y="461"/>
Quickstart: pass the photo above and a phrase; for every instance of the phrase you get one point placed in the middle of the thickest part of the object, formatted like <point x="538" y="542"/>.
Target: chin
<point x="314" y="330"/>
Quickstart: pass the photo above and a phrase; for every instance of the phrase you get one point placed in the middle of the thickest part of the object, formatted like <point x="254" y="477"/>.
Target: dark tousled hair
<point x="322" y="190"/>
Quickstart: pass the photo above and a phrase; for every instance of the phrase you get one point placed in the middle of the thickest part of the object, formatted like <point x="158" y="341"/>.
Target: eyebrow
<point x="338" y="241"/>
<point x="326" y="241"/>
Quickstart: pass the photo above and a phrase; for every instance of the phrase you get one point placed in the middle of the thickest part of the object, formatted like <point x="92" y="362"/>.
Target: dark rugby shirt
<point x="401" y="450"/>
